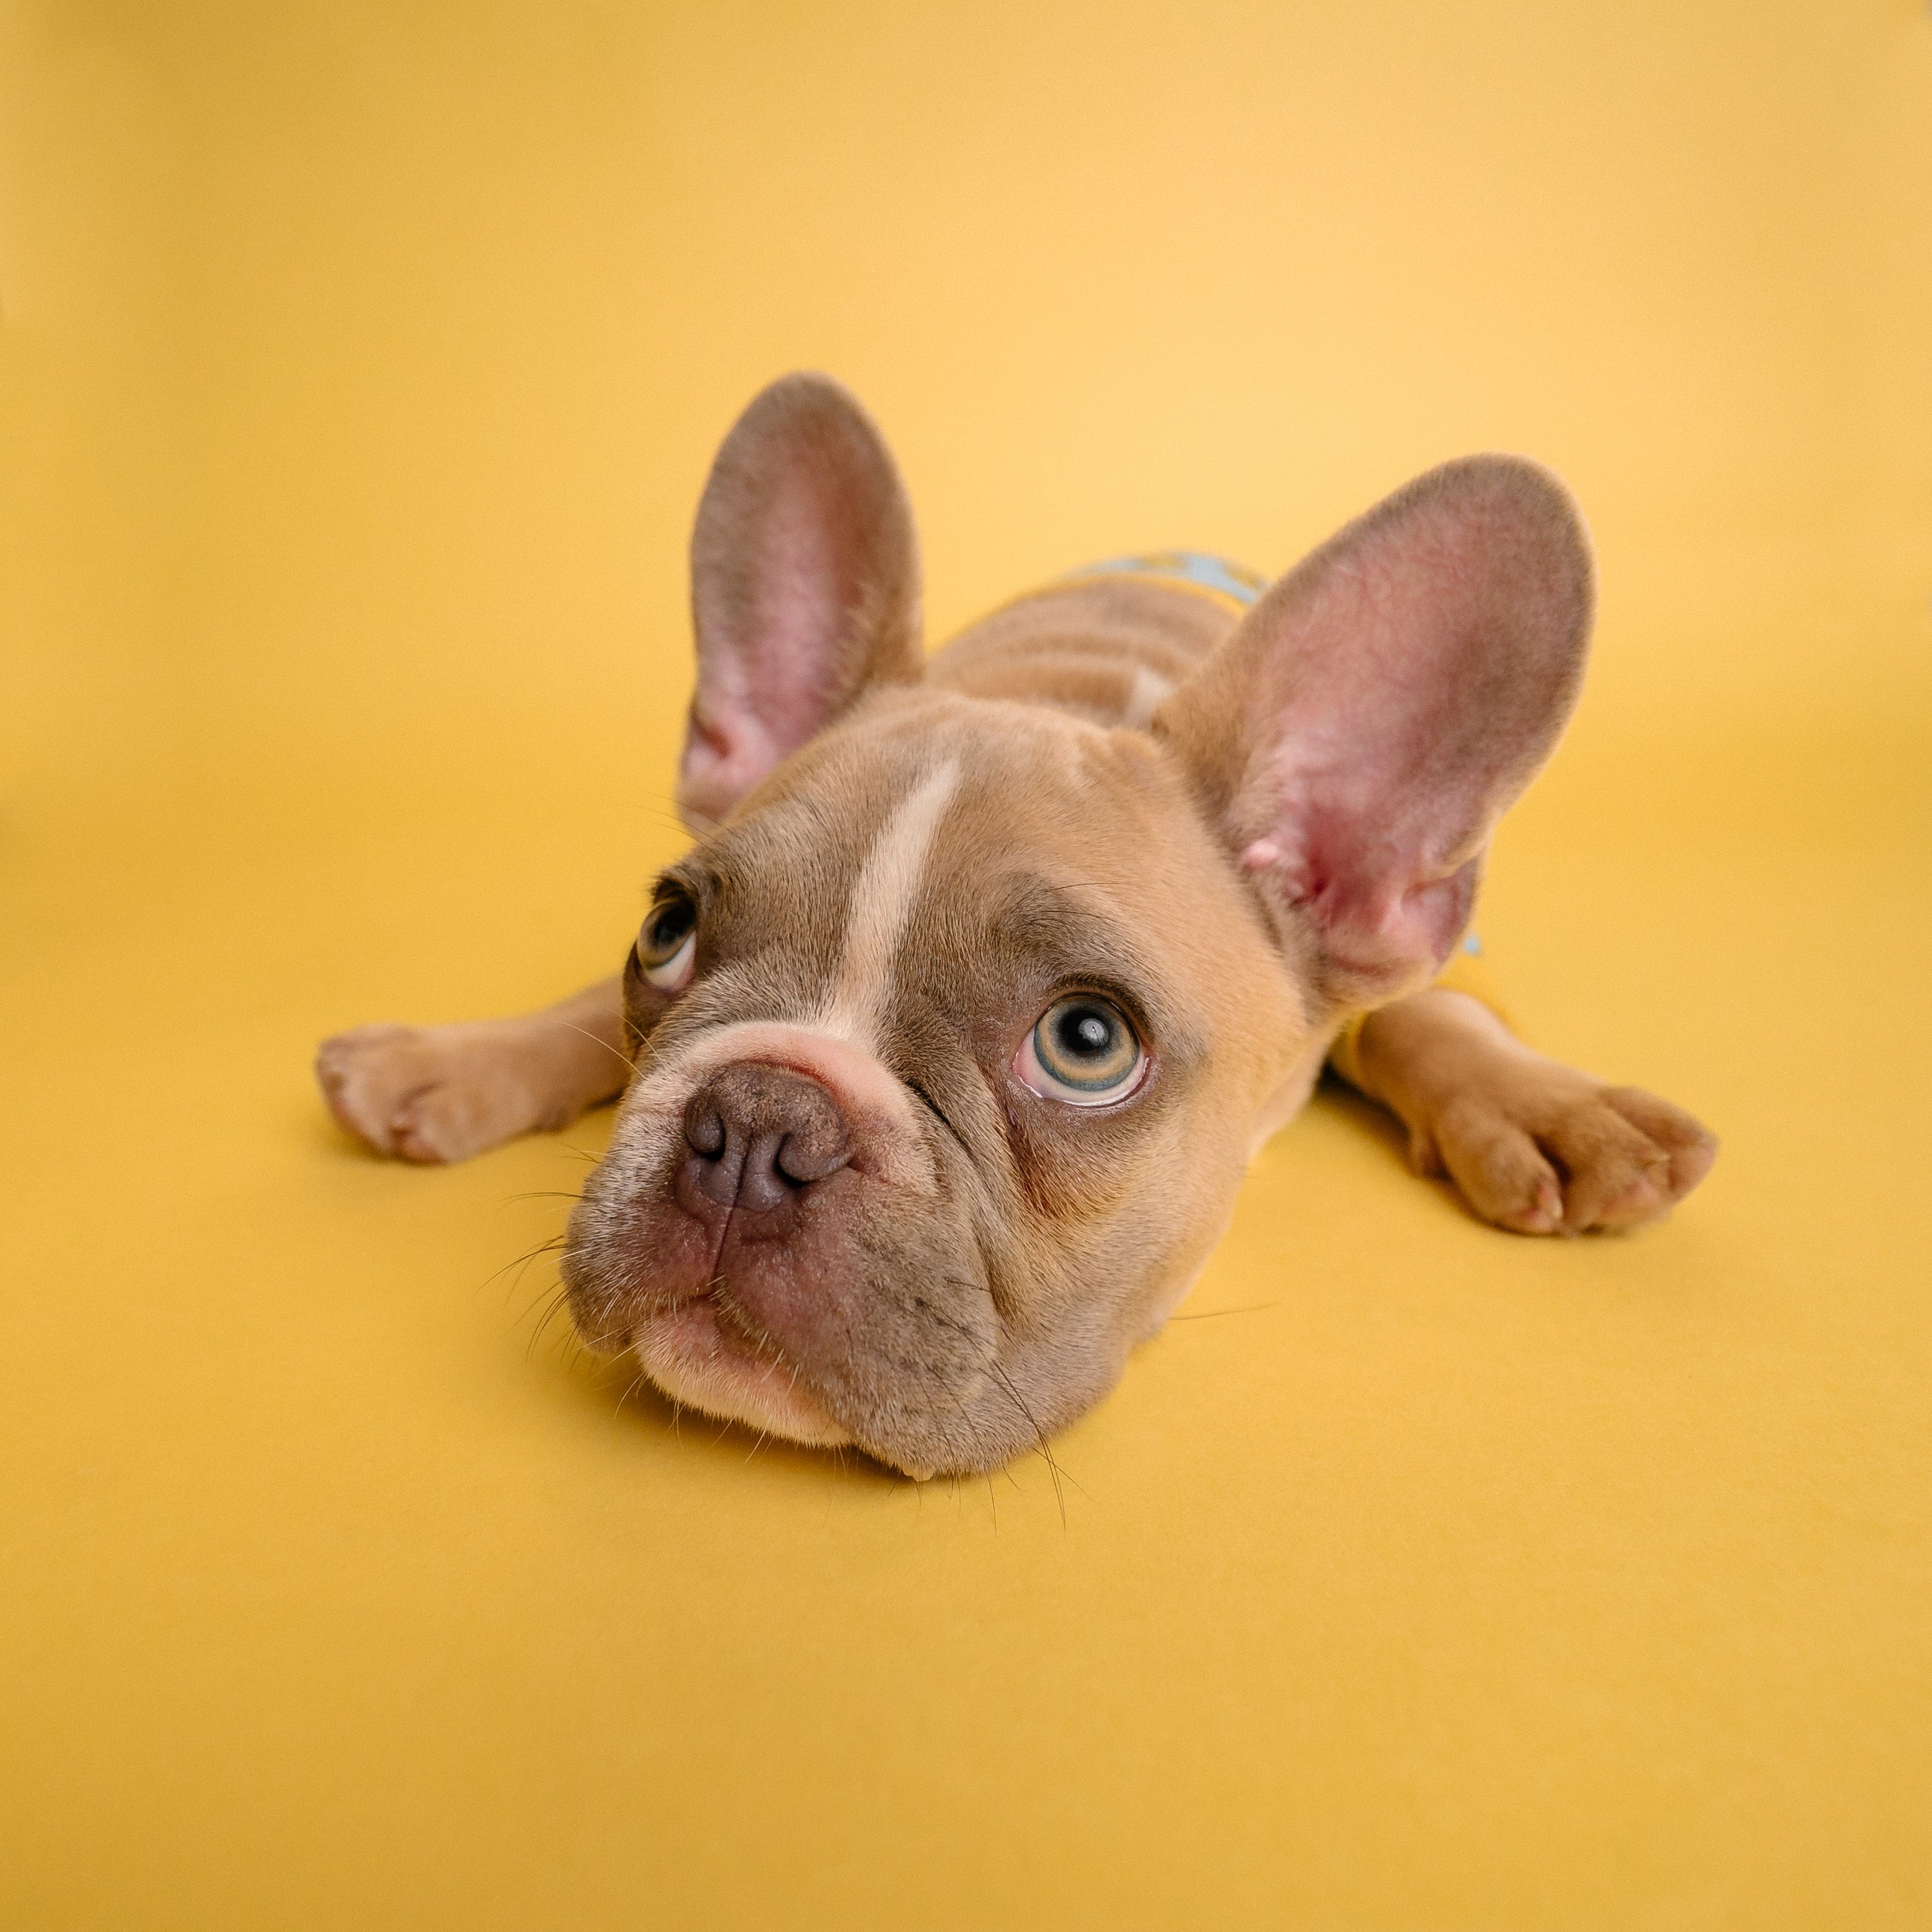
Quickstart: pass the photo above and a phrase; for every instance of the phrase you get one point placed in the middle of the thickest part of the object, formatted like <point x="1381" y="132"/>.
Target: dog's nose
<point x="758" y="1137"/>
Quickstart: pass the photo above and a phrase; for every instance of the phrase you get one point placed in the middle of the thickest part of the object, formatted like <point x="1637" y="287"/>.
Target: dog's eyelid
<point x="683" y="881"/>
<point x="698" y="888"/>
<point x="1102" y="986"/>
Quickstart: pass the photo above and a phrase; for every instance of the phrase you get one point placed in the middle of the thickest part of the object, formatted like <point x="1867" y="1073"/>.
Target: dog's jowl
<point x="988" y="972"/>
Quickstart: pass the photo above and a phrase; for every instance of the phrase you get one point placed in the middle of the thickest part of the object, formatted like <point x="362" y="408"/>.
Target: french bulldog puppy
<point x="943" y="1049"/>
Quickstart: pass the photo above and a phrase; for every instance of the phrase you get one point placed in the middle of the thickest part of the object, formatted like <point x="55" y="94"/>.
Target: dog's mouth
<point x="695" y="1354"/>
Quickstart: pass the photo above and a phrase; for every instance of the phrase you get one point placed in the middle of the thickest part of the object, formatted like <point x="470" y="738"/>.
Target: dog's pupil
<point x="1086" y="1032"/>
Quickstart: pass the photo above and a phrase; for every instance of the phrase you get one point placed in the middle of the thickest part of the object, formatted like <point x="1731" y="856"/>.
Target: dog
<point x="942" y="1051"/>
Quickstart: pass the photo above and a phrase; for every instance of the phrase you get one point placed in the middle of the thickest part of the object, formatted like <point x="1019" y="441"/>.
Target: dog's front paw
<point x="425" y="1094"/>
<point x="1542" y="1149"/>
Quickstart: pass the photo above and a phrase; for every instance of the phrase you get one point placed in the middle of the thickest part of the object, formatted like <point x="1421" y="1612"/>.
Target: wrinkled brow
<point x="1071" y="933"/>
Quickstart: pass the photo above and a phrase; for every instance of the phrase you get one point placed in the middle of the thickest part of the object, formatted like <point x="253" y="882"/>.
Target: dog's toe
<point x="362" y="1074"/>
<point x="1502" y="1173"/>
<point x="1689" y="1147"/>
<point x="448" y="1121"/>
<point x="1614" y="1175"/>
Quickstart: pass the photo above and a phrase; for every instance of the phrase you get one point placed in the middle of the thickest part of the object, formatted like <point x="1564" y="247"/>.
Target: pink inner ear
<point x="1401" y="688"/>
<point x="765" y="675"/>
<point x="804" y="586"/>
<point x="804" y="600"/>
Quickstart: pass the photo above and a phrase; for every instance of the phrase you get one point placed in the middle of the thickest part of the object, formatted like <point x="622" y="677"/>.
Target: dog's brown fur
<point x="1240" y="834"/>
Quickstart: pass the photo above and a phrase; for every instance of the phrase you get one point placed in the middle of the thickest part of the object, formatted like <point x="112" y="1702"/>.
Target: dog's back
<point x="1108" y="642"/>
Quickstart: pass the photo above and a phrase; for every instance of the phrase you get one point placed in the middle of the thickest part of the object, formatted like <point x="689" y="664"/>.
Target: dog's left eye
<point x="1084" y="1051"/>
<point x="667" y="948"/>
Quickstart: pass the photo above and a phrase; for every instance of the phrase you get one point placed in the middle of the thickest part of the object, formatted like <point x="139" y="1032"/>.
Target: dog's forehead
<point x="938" y="811"/>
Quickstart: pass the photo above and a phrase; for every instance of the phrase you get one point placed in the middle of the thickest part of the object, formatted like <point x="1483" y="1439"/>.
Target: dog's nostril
<point x="704" y="1127"/>
<point x="803" y="1158"/>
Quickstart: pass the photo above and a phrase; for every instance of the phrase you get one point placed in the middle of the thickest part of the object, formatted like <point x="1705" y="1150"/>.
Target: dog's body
<point x="956" y="1029"/>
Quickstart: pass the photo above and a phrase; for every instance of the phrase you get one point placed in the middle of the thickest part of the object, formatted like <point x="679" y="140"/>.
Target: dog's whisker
<point x="595" y="1040"/>
<point x="522" y="1263"/>
<point x="1212" y="1314"/>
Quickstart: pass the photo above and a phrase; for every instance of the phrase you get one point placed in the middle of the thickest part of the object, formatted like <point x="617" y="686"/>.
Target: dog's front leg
<point x="442" y="1093"/>
<point x="1533" y="1144"/>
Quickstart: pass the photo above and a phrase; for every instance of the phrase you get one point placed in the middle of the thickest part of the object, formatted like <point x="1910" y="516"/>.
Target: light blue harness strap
<point x="1188" y="566"/>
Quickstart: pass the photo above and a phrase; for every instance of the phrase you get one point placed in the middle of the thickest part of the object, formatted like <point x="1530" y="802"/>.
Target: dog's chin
<point x="696" y="1360"/>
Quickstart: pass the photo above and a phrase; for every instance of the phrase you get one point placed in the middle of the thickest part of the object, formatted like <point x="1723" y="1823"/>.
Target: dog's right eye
<point x="667" y="948"/>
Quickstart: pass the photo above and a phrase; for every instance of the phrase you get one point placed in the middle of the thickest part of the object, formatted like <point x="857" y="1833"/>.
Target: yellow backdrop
<point x="362" y="365"/>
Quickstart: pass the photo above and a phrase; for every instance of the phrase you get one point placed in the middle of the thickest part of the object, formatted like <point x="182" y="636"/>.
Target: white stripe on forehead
<point x="882" y="901"/>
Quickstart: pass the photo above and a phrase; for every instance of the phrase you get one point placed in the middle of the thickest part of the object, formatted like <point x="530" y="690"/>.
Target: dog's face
<point x="954" y="1031"/>
<point x="951" y="1042"/>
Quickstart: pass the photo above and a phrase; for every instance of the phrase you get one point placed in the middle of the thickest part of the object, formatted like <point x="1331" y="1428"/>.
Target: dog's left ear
<point x="1356" y="739"/>
<point x="804" y="586"/>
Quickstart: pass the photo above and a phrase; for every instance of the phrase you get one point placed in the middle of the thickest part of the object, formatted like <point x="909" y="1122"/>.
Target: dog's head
<point x="956" y="1028"/>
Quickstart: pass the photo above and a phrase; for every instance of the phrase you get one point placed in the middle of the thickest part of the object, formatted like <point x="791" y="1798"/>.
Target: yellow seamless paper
<point x="360" y="368"/>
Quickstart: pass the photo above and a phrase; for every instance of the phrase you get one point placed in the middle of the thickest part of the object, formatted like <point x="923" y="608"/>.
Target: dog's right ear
<point x="804" y="586"/>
